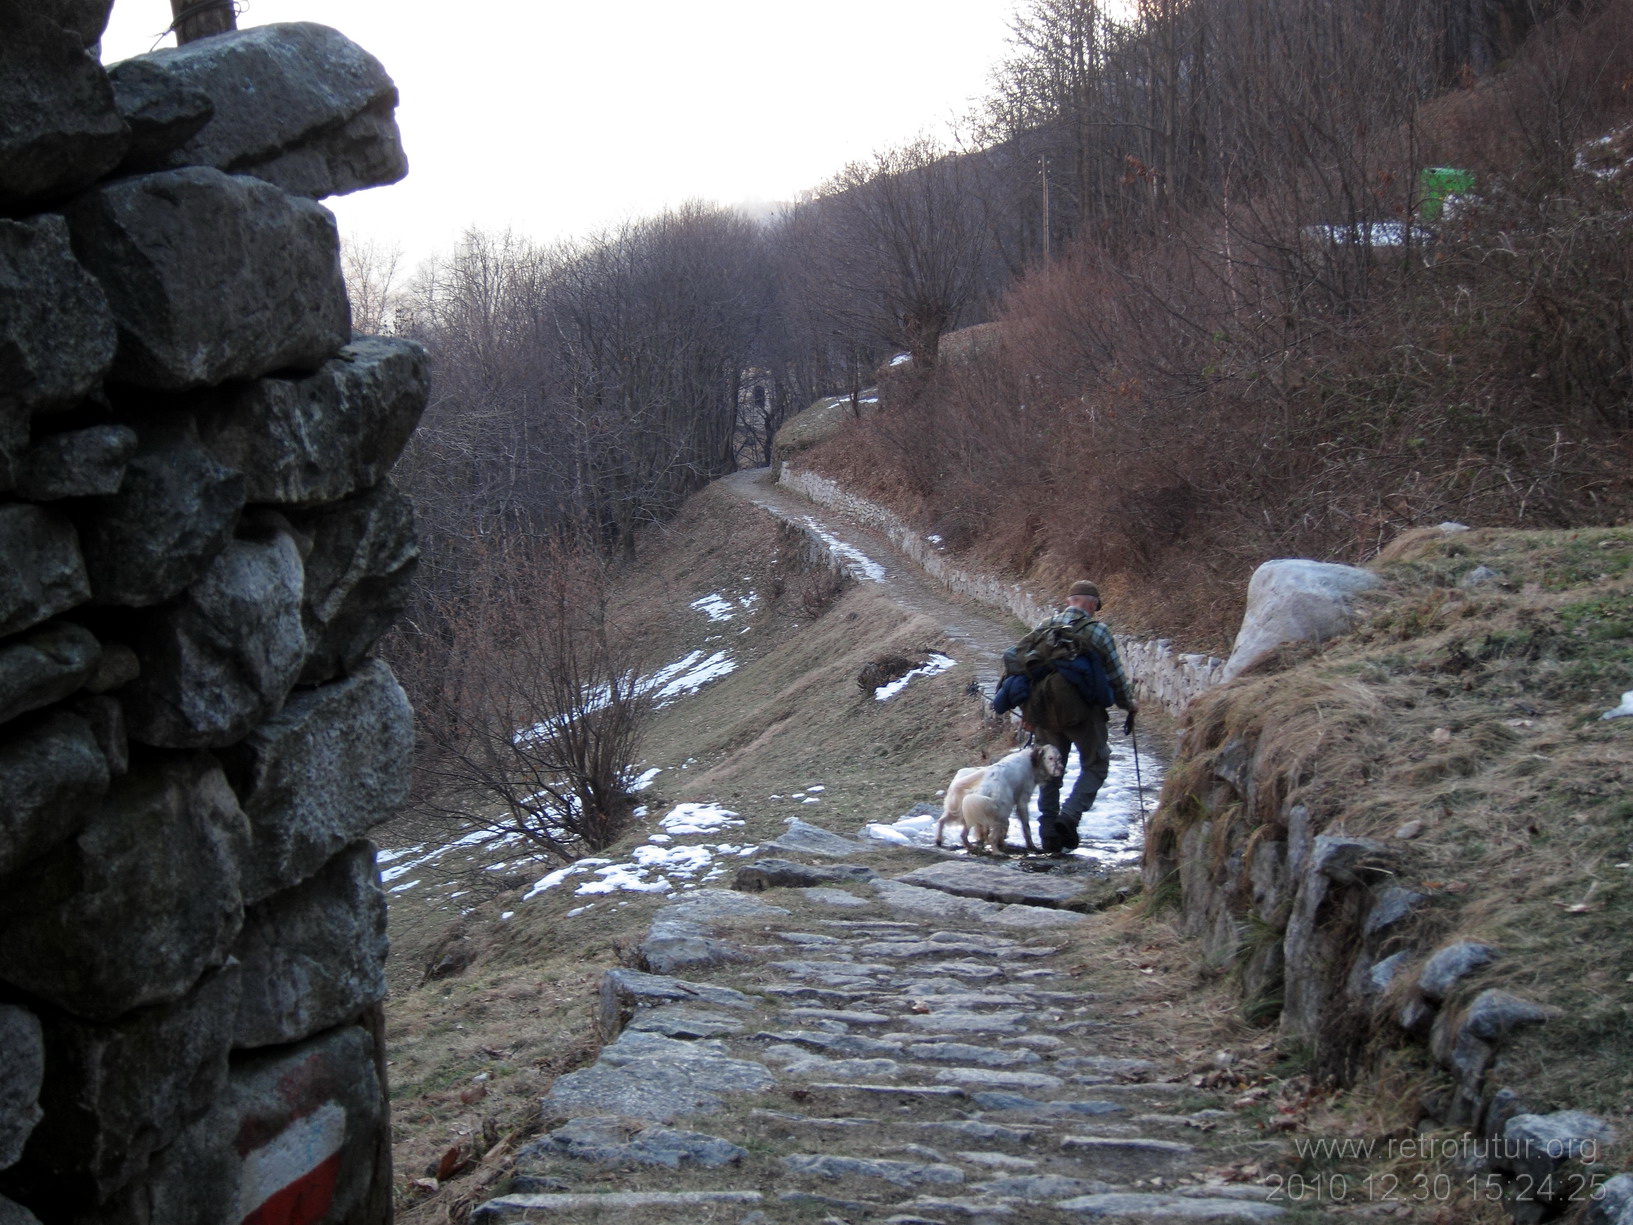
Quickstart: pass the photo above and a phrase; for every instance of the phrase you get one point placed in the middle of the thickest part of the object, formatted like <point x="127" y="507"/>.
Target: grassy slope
<point x="1464" y="720"/>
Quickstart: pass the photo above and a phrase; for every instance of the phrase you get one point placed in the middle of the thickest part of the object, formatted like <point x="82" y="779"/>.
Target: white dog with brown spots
<point x="981" y="798"/>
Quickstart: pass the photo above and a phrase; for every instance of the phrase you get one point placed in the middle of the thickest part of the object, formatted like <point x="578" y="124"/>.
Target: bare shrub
<point x="529" y="706"/>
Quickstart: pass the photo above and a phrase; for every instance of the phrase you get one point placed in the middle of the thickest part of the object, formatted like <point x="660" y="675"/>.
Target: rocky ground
<point x="846" y="1046"/>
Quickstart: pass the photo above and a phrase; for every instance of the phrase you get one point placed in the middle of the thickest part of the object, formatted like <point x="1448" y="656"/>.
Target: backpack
<point x="1057" y="648"/>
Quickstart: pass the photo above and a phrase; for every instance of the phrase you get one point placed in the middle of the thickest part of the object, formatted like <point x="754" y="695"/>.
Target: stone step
<point x="526" y="1207"/>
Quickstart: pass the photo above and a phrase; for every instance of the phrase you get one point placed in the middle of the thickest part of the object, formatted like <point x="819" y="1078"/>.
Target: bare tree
<point x="530" y="706"/>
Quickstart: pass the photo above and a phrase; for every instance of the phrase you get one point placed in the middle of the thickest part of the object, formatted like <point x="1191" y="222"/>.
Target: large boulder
<point x="84" y="19"/>
<point x="21" y="1072"/>
<point x="61" y="130"/>
<point x="314" y="779"/>
<point x="223" y="657"/>
<point x="298" y="104"/>
<point x="313" y="956"/>
<point x="1294" y="601"/>
<point x="52" y="773"/>
<point x="303" y="441"/>
<point x="116" y="1094"/>
<point x="140" y="904"/>
<point x="173" y="513"/>
<point x="56" y="333"/>
<point x="45" y="665"/>
<point x="212" y="277"/>
<point x="358" y="572"/>
<point x="41" y="570"/>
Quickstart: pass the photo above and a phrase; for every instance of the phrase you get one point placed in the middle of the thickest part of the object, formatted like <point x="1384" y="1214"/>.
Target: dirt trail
<point x="985" y="632"/>
<point x="1110" y="830"/>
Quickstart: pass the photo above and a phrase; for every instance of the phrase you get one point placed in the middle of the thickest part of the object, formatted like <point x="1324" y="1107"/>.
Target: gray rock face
<point x="13" y="1213"/>
<point x="1615" y="1205"/>
<point x="21" y="1073"/>
<point x="315" y="778"/>
<point x="165" y="845"/>
<point x="899" y="1173"/>
<point x="681" y="1021"/>
<point x="263" y="293"/>
<point x="765" y="874"/>
<point x="1495" y="1014"/>
<point x="358" y="572"/>
<point x="84" y="19"/>
<point x="313" y="956"/>
<point x="116" y="1094"/>
<point x="77" y="464"/>
<point x="1295" y="601"/>
<point x="162" y="112"/>
<point x="173" y="513"/>
<point x="41" y="572"/>
<point x="992" y="883"/>
<point x="1451" y="965"/>
<point x="1130" y="1204"/>
<point x="803" y="838"/>
<point x="674" y="944"/>
<point x="625" y="992"/>
<point x="301" y="441"/>
<point x="222" y="658"/>
<point x="44" y="665"/>
<point x="61" y="130"/>
<point x="51" y="774"/>
<point x="645" y="1076"/>
<point x="1538" y="1145"/>
<point x="56" y="334"/>
<point x="297" y="104"/>
<point x="720" y="904"/>
<point x="614" y="1143"/>
<point x="280" y="1112"/>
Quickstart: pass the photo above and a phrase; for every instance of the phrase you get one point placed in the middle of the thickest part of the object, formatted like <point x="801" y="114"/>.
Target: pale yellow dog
<point x="982" y="797"/>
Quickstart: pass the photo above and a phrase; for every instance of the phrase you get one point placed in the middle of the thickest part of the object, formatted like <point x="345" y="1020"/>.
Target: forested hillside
<point x="1230" y="318"/>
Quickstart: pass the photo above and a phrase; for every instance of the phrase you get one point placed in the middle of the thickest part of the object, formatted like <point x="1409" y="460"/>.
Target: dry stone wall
<point x="199" y="546"/>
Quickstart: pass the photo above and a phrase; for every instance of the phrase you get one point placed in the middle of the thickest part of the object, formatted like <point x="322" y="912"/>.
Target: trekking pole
<point x="1139" y="783"/>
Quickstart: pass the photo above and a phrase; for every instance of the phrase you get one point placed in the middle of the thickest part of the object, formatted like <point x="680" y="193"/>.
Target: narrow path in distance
<point x="1110" y="830"/>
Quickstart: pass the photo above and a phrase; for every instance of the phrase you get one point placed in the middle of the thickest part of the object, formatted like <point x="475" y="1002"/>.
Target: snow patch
<point x="856" y="563"/>
<point x="937" y="663"/>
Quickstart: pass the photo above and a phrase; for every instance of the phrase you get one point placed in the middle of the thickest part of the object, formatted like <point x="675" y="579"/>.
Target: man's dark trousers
<point x="1057" y="822"/>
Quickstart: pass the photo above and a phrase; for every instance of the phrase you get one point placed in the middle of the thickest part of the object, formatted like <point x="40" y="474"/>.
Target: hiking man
<point x="1075" y="672"/>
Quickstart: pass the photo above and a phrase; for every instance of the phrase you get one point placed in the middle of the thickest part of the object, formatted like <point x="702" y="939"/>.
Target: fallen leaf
<point x="451" y="1164"/>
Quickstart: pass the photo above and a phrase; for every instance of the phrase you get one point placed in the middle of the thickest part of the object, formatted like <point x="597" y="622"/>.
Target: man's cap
<point x="1084" y="587"/>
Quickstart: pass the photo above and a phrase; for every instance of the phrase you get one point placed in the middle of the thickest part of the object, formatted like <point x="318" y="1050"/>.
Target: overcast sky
<point x="556" y="118"/>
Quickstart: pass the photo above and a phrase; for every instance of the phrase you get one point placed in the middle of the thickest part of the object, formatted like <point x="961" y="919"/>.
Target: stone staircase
<point x="841" y="1047"/>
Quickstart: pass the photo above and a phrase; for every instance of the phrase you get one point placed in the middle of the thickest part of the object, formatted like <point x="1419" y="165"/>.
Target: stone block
<point x="1538" y="1146"/>
<point x="313" y="957"/>
<point x="992" y="883"/>
<point x="140" y="903"/>
<point x="116" y="1094"/>
<point x="162" y="112"/>
<point x="61" y="131"/>
<point x="323" y="437"/>
<point x="106" y="719"/>
<point x="223" y="657"/>
<point x="297" y="104"/>
<point x="13" y="1213"/>
<point x="358" y="571"/>
<point x="320" y="774"/>
<point x="56" y="332"/>
<point x="1450" y="965"/>
<point x="21" y="1073"/>
<point x="212" y="277"/>
<point x="291" y="1137"/>
<point x="765" y="874"/>
<point x="174" y="512"/>
<point x="41" y="570"/>
<point x="51" y="774"/>
<point x="45" y="665"/>
<point x="76" y="464"/>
